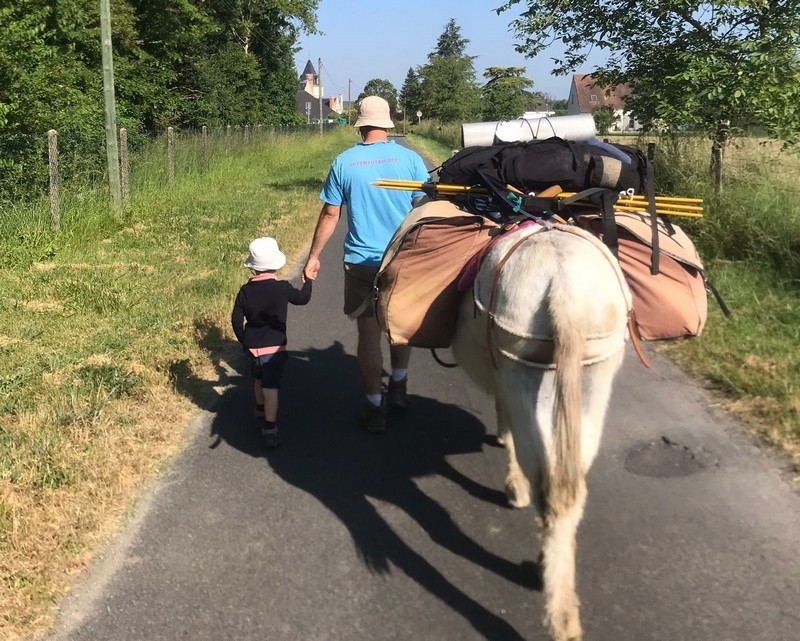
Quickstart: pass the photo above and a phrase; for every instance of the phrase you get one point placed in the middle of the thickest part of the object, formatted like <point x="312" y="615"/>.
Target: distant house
<point x="585" y="96"/>
<point x="309" y="91"/>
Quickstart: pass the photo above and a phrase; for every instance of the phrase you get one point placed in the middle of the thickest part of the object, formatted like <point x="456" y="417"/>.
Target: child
<point x="263" y="301"/>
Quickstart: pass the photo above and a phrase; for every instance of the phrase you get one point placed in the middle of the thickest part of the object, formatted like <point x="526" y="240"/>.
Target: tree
<point x="717" y="67"/>
<point x="410" y="93"/>
<point x="382" y="88"/>
<point x="186" y="63"/>
<point x="504" y="95"/>
<point x="447" y="83"/>
<point x="449" y="92"/>
<point x="450" y="43"/>
<point x="604" y="117"/>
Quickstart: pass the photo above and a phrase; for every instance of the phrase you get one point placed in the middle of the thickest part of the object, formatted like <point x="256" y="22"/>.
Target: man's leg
<point x="401" y="354"/>
<point x="397" y="395"/>
<point x="370" y="358"/>
<point x="370" y="365"/>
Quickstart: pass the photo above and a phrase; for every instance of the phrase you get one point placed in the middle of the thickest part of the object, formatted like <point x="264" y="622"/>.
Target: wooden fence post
<point x="247" y="132"/>
<point x="52" y="155"/>
<point x="124" y="165"/>
<point x="170" y="155"/>
<point x="228" y="131"/>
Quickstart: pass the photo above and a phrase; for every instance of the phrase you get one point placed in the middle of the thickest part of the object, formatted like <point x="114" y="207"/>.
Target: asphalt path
<point x="690" y="533"/>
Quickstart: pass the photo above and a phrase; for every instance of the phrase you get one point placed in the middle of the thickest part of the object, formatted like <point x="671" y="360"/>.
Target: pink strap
<point x="265" y="351"/>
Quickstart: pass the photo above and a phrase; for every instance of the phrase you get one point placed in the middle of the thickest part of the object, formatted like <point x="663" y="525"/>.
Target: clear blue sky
<point x="366" y="39"/>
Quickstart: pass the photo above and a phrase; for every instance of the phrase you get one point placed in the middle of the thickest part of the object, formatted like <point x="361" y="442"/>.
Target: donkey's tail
<point x="565" y="469"/>
<point x="567" y="488"/>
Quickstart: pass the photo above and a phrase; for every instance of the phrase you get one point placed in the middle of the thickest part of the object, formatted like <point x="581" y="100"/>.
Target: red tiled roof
<point x="591" y="96"/>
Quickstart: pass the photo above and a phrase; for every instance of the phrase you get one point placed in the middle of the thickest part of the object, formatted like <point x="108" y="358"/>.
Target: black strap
<point x="440" y="361"/>
<point x="710" y="287"/>
<point x="607" y="201"/>
<point x="650" y="192"/>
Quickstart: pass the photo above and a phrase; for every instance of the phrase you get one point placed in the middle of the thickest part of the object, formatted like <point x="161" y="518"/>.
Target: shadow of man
<point x="326" y="454"/>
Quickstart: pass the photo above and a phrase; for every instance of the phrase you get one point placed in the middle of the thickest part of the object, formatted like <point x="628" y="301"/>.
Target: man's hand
<point x="311" y="269"/>
<point x="328" y="217"/>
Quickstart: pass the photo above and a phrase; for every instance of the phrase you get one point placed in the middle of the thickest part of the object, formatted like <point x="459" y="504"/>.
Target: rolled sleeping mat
<point x="484" y="134"/>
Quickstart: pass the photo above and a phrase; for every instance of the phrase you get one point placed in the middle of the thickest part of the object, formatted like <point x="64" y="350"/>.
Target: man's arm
<point x="326" y="224"/>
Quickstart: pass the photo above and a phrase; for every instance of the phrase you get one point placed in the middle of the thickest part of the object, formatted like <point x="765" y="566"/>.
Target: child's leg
<point x="259" y="394"/>
<point x="270" y="398"/>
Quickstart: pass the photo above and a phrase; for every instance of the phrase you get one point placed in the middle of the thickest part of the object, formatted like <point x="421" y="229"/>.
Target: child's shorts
<point x="269" y="369"/>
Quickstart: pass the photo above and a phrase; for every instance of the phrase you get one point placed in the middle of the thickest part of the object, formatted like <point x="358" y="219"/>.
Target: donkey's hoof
<point x="518" y="492"/>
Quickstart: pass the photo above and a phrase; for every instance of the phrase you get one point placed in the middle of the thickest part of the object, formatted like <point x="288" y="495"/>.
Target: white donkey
<point x="544" y="332"/>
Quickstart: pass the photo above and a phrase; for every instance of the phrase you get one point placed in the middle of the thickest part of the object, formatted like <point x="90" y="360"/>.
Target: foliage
<point x="410" y="94"/>
<point x="603" y="118"/>
<point x="447" y="82"/>
<point x="382" y="88"/>
<point x="715" y="66"/>
<point x="183" y="64"/>
<point x="504" y="95"/>
<point x="450" y="43"/>
<point x="559" y="106"/>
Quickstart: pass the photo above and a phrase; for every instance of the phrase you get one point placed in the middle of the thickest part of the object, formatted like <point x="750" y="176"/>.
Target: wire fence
<point x="174" y="153"/>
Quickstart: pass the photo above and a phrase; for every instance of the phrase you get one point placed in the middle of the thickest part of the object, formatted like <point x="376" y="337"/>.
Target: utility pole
<point x="112" y="150"/>
<point x="349" y="103"/>
<point x="319" y="75"/>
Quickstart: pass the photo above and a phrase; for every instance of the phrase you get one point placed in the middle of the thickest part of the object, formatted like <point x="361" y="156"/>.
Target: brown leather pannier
<point x="672" y="303"/>
<point x="417" y="284"/>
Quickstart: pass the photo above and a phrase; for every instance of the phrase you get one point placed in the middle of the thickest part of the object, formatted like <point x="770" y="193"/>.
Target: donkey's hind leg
<point x="518" y="489"/>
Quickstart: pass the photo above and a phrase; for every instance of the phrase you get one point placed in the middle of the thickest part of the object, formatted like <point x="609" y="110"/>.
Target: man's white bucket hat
<point x="373" y="111"/>
<point x="265" y="255"/>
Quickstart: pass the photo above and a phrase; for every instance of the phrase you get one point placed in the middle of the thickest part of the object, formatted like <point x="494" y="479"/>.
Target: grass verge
<point x="101" y="323"/>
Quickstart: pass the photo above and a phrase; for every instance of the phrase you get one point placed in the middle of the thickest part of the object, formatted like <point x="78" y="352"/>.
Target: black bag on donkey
<point x="537" y="164"/>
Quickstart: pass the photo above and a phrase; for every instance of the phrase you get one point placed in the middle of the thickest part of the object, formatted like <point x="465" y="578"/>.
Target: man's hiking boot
<point x="271" y="438"/>
<point x="374" y="418"/>
<point x="397" y="395"/>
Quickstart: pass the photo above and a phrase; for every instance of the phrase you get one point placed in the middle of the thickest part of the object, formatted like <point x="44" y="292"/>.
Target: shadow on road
<point x="326" y="454"/>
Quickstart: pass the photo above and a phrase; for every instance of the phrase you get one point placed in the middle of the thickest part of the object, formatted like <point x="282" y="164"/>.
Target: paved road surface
<point x="340" y="535"/>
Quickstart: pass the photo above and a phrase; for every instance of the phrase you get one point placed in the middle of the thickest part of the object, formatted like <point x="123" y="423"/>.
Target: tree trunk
<point x="718" y="144"/>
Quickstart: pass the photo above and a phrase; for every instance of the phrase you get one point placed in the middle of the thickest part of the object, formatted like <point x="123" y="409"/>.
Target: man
<point x="373" y="215"/>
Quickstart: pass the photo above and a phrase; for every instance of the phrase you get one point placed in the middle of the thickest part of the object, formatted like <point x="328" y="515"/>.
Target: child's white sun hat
<point x="265" y="255"/>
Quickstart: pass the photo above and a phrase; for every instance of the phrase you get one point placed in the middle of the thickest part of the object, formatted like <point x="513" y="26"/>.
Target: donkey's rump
<point x="543" y="267"/>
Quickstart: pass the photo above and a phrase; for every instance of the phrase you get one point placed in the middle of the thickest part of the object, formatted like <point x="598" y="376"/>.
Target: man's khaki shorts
<point x="359" y="281"/>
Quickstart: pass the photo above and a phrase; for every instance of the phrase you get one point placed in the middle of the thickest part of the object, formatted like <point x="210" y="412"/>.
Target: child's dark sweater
<point x="263" y="302"/>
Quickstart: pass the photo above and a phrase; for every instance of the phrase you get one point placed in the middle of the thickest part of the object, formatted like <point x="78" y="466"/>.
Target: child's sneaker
<point x="271" y="437"/>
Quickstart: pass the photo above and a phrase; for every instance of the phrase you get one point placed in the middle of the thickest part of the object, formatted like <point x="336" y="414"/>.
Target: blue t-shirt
<point x="373" y="213"/>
